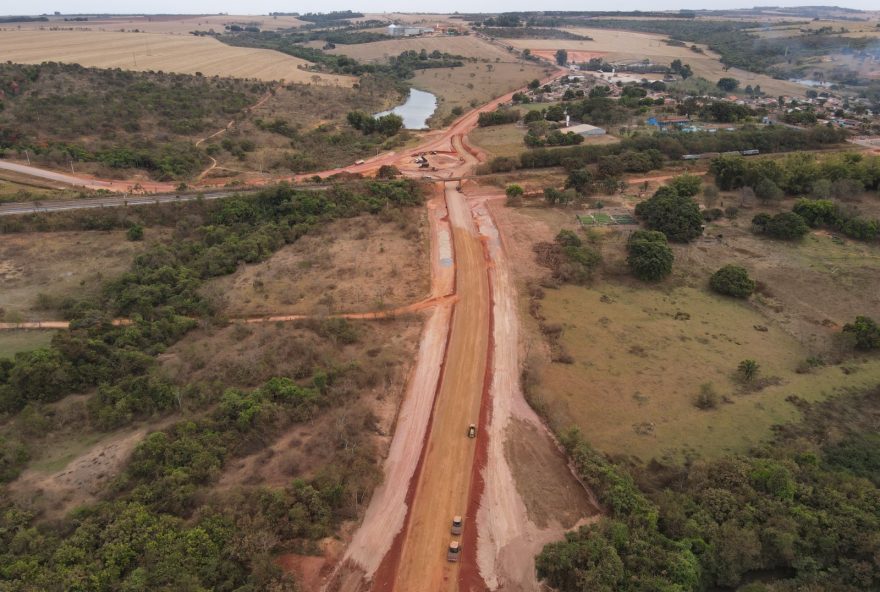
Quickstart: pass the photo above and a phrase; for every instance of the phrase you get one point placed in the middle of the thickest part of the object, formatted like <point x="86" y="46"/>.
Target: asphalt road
<point x="11" y="209"/>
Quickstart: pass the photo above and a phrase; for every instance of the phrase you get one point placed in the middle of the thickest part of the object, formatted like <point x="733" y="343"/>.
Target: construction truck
<point x="454" y="551"/>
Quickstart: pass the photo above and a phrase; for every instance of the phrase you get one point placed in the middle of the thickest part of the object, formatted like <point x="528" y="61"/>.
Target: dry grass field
<point x="641" y="356"/>
<point x="499" y="140"/>
<point x="60" y="265"/>
<point x="171" y="24"/>
<point x="355" y="265"/>
<point x="474" y="83"/>
<point x="630" y="46"/>
<point x="169" y="53"/>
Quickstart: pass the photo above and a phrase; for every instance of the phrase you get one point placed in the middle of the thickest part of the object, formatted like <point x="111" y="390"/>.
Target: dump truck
<point x="472" y="431"/>
<point x="456" y="525"/>
<point x="453" y="552"/>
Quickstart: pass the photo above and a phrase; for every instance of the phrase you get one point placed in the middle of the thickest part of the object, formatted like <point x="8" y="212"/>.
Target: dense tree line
<point x="841" y="176"/>
<point x="800" y="512"/>
<point x="498" y="117"/>
<point x="674" y="145"/>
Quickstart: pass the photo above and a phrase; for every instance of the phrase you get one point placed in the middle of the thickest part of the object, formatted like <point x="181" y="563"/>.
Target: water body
<point x="417" y="109"/>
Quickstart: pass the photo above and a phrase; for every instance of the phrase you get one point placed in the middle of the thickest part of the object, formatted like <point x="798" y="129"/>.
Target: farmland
<point x="631" y="47"/>
<point x="184" y="54"/>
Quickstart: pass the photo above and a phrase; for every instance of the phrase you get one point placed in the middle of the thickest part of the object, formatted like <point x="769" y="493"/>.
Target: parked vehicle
<point x="472" y="431"/>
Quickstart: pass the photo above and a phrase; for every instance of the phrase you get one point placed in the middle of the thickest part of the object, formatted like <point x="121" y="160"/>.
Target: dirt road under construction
<point x="511" y="483"/>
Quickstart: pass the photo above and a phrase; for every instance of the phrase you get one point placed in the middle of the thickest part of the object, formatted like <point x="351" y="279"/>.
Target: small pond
<point x="417" y="109"/>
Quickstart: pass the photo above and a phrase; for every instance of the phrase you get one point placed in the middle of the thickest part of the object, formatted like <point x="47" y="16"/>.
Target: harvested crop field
<point x="168" y="53"/>
<point x="172" y="24"/>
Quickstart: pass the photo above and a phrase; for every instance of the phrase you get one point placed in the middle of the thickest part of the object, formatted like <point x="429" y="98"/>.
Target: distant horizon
<point x="264" y="7"/>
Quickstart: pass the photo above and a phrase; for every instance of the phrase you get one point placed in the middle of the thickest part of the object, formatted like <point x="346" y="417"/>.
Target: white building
<point x="584" y="129"/>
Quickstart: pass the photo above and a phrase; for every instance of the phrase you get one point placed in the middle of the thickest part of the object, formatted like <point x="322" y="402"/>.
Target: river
<point x="417" y="109"/>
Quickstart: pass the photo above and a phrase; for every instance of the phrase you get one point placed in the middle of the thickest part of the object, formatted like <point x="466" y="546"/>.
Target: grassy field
<point x="631" y="46"/>
<point x="60" y="265"/>
<point x="474" y="83"/>
<point x="183" y="54"/>
<point x="354" y="265"/>
<point x="12" y="342"/>
<point x="499" y="140"/>
<point x="642" y="352"/>
<point x="641" y="356"/>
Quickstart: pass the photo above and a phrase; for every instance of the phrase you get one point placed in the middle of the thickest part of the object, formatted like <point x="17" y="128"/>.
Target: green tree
<point x="785" y="226"/>
<point x="649" y="256"/>
<point x="767" y="190"/>
<point x="732" y="280"/>
<point x="866" y="333"/>
<point x="677" y="216"/>
<point x="686" y="185"/>
<point x="581" y="180"/>
<point x="727" y="84"/>
<point x="514" y="194"/>
<point x="561" y="57"/>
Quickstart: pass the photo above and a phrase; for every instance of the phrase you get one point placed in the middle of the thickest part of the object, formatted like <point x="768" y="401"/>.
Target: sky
<point x="446" y="6"/>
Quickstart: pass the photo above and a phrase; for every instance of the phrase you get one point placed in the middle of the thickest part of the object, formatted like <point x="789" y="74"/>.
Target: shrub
<point x="707" y="397"/>
<point x="785" y="226"/>
<point x="650" y="258"/>
<point x="135" y="232"/>
<point x="732" y="280"/>
<point x="748" y="369"/>
<point x="675" y="215"/>
<point x="387" y="171"/>
<point x="767" y="190"/>
<point x="686" y="185"/>
<point x="866" y="333"/>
